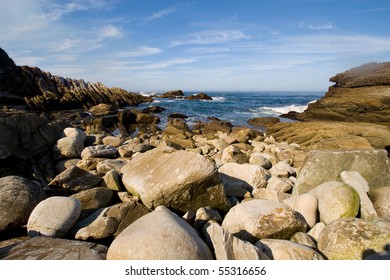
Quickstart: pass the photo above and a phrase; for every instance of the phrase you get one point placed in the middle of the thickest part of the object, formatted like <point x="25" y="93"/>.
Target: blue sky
<point x="197" y="45"/>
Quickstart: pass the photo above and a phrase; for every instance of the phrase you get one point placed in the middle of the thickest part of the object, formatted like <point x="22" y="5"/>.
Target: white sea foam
<point x="218" y="98"/>
<point x="284" y="109"/>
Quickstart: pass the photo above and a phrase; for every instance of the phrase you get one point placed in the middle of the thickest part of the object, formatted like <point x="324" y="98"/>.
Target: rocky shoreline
<point x="71" y="188"/>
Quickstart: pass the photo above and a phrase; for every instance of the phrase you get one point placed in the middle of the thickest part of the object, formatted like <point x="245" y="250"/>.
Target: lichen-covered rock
<point x="336" y="200"/>
<point x="18" y="198"/>
<point x="258" y="218"/>
<point x="324" y="166"/>
<point x="160" y="235"/>
<point x="180" y="180"/>
<point x="360" y="184"/>
<point x="352" y="239"/>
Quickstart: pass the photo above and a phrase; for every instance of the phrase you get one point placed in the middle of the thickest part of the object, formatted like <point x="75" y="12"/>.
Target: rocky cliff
<point x="361" y="94"/>
<point x="25" y="85"/>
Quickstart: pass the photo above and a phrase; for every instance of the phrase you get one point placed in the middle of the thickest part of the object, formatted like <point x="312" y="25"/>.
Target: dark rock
<point x="44" y="91"/>
<point x="199" y="96"/>
<point x="153" y="109"/>
<point x="72" y="180"/>
<point x="18" y="197"/>
<point x="172" y="94"/>
<point x="210" y="129"/>
<point x="263" y="121"/>
<point x="177" y="116"/>
<point x="292" y="115"/>
<point x="103" y="110"/>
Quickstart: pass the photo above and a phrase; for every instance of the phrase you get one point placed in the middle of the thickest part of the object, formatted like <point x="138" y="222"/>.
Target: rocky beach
<point x="82" y="177"/>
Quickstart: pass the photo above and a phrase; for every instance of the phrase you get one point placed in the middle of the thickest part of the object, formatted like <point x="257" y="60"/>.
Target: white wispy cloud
<point x="109" y="31"/>
<point x="139" y="51"/>
<point x="210" y="37"/>
<point x="162" y="64"/>
<point x="323" y="26"/>
<point x="208" y="50"/>
<point x="55" y="11"/>
<point x="161" y="14"/>
<point x="374" y="10"/>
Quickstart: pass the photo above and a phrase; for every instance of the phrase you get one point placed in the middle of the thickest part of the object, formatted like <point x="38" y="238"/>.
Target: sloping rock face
<point x="41" y="90"/>
<point x="324" y="135"/>
<point x="361" y="94"/>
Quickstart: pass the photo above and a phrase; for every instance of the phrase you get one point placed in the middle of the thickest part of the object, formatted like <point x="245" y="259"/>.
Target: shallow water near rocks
<point x="235" y="107"/>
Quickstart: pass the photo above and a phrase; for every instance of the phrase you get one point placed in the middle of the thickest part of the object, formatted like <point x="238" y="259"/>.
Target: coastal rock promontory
<point x="31" y="86"/>
<point x="361" y="94"/>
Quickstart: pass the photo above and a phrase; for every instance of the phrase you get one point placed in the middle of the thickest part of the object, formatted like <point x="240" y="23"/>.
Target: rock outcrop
<point x="31" y="86"/>
<point x="361" y="94"/>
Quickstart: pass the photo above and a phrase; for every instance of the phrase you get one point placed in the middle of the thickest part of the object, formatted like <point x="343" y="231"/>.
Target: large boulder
<point x="248" y="176"/>
<point x="352" y="239"/>
<point x="259" y="218"/>
<point x="336" y="200"/>
<point x="54" y="216"/>
<point x="160" y="235"/>
<point x="49" y="248"/>
<point x="71" y="145"/>
<point x="357" y="181"/>
<point x="323" y="166"/>
<point x="18" y="198"/>
<point x="181" y="180"/>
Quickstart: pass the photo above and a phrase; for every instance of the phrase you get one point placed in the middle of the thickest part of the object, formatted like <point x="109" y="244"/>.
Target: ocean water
<point x="235" y="107"/>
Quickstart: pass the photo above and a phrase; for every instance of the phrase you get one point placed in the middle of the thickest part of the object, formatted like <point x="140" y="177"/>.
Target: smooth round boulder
<point x="336" y="200"/>
<point x="54" y="216"/>
<point x="160" y="235"/>
<point x="18" y="197"/>
<point x="259" y="218"/>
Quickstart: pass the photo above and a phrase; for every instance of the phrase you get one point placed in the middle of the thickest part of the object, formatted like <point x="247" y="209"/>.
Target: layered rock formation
<point x="361" y="94"/>
<point x="24" y="85"/>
